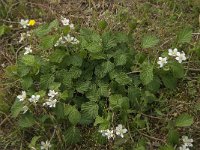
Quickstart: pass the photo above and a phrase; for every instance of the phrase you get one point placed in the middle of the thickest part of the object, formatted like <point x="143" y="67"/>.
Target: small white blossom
<point x="187" y="142"/>
<point x="27" y="50"/>
<point x="110" y="134"/>
<point x="120" y="131"/>
<point x="71" y="26"/>
<point x="34" y="98"/>
<point x="25" y="109"/>
<point x="45" y="145"/>
<point x="24" y="23"/>
<point x="71" y="39"/>
<point x="50" y="102"/>
<point x="23" y="36"/>
<point x="22" y="97"/>
<point x="162" y="61"/>
<point x="52" y="93"/>
<point x="180" y="57"/>
<point x="103" y="132"/>
<point x="183" y="147"/>
<point x="64" y="21"/>
<point x="172" y="52"/>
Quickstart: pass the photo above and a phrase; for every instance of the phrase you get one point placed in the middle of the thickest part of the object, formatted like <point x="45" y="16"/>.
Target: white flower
<point x="71" y="26"/>
<point x="64" y="21"/>
<point x="180" y="57"/>
<point x="34" y="98"/>
<point x="23" y="36"/>
<point x="110" y="134"/>
<point x="103" y="132"/>
<point x="24" y="23"/>
<point x="60" y="41"/>
<point x="162" y="61"/>
<point x="25" y="109"/>
<point x="187" y="141"/>
<point x="172" y="52"/>
<point x="50" y="102"/>
<point x="120" y="131"/>
<point x="52" y="93"/>
<point x="22" y="97"/>
<point x="28" y="50"/>
<point x="45" y="145"/>
<point x="183" y="147"/>
<point x="71" y="39"/>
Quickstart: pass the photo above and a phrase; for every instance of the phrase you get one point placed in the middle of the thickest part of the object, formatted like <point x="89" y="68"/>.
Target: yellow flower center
<point x="31" y="22"/>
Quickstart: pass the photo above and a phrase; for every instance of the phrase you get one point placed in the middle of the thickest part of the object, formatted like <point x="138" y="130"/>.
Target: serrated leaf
<point x="185" y="35"/>
<point x="169" y="81"/>
<point x="146" y="74"/>
<point x="83" y="87"/>
<point x="123" y="79"/>
<point x="75" y="72"/>
<point x="184" y="120"/>
<point x="108" y="41"/>
<point x="74" y="116"/>
<point x="116" y="101"/>
<point x="121" y="37"/>
<point x="90" y="109"/>
<point x="149" y="41"/>
<point x="58" y="55"/>
<point x="26" y="121"/>
<point x="28" y="60"/>
<point x="173" y="137"/>
<point x="60" y="110"/>
<point x="26" y="82"/>
<point x="46" y="80"/>
<point x="74" y="60"/>
<point x="47" y="42"/>
<point x="107" y="66"/>
<point x="177" y="70"/>
<point x="72" y="135"/>
<point x="121" y="59"/>
<point x="103" y="89"/>
<point x="91" y="41"/>
<point x="16" y="108"/>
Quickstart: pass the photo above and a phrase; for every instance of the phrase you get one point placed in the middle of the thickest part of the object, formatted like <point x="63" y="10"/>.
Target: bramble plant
<point x="74" y="77"/>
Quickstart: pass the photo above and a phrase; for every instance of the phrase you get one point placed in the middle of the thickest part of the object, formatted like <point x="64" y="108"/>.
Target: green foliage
<point x="16" y="108"/>
<point x="185" y="35"/>
<point x="146" y="74"/>
<point x="184" y="120"/>
<point x="149" y="41"/>
<point x="4" y="30"/>
<point x="26" y="121"/>
<point x="72" y="135"/>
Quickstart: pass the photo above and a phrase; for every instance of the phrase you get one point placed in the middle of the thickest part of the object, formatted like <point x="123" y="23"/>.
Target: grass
<point x="163" y="18"/>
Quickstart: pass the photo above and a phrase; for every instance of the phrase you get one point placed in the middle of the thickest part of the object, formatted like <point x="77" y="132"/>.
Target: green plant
<point x="100" y="80"/>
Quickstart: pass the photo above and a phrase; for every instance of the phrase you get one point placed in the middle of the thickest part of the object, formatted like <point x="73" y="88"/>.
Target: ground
<point x="162" y="18"/>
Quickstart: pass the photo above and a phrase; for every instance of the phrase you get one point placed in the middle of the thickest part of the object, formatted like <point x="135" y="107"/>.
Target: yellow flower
<point x="31" y="22"/>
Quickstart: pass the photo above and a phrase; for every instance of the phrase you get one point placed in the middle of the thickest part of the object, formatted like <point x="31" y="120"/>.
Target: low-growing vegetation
<point x="73" y="85"/>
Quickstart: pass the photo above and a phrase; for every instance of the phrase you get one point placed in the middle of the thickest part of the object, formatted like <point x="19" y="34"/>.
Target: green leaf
<point x="169" y="81"/>
<point x="146" y="74"/>
<point x="60" y="110"/>
<point x="184" y="120"/>
<point x="4" y="107"/>
<point x="75" y="72"/>
<point x="173" y="137"/>
<point x="102" y="24"/>
<point x="16" y="108"/>
<point x="185" y="35"/>
<point x="33" y="142"/>
<point x="74" y="116"/>
<point x="107" y="67"/>
<point x="91" y="41"/>
<point x="83" y="87"/>
<point x="177" y="70"/>
<point x="72" y="135"/>
<point x="74" y="60"/>
<point x="46" y="81"/>
<point x="57" y="56"/>
<point x="103" y="89"/>
<point x="64" y="95"/>
<point x="149" y="41"/>
<point x="121" y="37"/>
<point x="108" y="41"/>
<point x="117" y="101"/>
<point x="47" y="42"/>
<point x="4" y="29"/>
<point x="27" y="120"/>
<point x="28" y="60"/>
<point x="123" y="79"/>
<point x="90" y="109"/>
<point x="26" y="82"/>
<point x="121" y="59"/>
